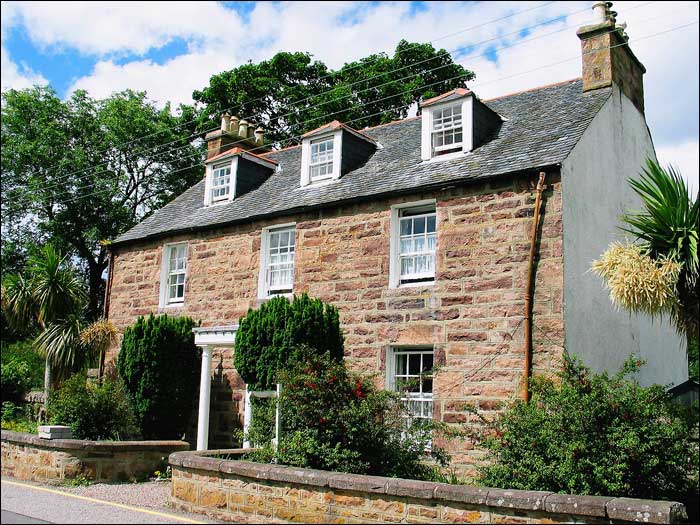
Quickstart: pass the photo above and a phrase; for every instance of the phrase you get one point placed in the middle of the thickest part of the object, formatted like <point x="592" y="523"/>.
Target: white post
<point x="247" y="415"/>
<point x="204" y="395"/>
<point x="277" y="418"/>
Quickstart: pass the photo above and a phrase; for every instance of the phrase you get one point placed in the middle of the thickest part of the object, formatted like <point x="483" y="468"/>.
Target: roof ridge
<point x="546" y="86"/>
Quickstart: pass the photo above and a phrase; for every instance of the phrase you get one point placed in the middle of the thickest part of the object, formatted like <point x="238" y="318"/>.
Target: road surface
<point x="31" y="503"/>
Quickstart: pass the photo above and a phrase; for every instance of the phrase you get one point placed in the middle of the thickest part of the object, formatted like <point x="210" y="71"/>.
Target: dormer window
<point x="455" y="123"/>
<point x="234" y="173"/>
<point x="331" y="151"/>
<point x="321" y="163"/>
<point x="447" y="129"/>
<point x="220" y="182"/>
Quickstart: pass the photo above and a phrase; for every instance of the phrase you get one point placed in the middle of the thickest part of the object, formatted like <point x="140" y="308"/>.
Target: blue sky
<point x="171" y="51"/>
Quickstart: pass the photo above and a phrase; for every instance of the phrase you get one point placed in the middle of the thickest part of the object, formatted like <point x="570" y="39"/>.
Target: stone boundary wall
<point x="226" y="489"/>
<point x="29" y="457"/>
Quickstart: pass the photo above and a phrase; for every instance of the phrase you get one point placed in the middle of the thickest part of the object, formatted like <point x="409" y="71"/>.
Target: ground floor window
<point x="410" y="372"/>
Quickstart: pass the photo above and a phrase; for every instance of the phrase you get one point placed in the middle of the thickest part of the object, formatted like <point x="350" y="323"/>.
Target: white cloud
<point x="16" y="76"/>
<point x="685" y="158"/>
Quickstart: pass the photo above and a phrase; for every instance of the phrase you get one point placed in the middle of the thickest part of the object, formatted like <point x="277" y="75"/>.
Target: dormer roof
<point x="446" y="97"/>
<point x="245" y="154"/>
<point x="334" y="126"/>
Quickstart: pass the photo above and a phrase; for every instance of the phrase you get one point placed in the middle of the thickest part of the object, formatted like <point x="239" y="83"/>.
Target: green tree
<point x="291" y="93"/>
<point x="73" y="174"/>
<point x="159" y="364"/>
<point x="268" y="338"/>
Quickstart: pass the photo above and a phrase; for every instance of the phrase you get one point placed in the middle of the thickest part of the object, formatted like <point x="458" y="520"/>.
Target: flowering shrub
<point x="335" y="420"/>
<point x="594" y="434"/>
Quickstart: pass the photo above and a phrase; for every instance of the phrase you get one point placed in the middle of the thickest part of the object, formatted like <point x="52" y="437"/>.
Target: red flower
<point x="322" y="420"/>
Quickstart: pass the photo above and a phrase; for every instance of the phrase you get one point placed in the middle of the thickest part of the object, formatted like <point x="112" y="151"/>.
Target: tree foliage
<point x="268" y="338"/>
<point x="292" y="93"/>
<point x="159" y="364"/>
<point x="595" y="434"/>
<point x="72" y="174"/>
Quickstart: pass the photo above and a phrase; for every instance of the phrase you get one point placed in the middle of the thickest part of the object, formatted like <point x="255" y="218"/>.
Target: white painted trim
<point x="164" y="270"/>
<point x="264" y="250"/>
<point x="467" y="127"/>
<point x="394" y="270"/>
<point x="207" y="183"/>
<point x="306" y="157"/>
<point x="223" y="337"/>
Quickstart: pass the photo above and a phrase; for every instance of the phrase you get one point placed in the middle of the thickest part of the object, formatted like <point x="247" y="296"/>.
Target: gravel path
<point x="150" y="495"/>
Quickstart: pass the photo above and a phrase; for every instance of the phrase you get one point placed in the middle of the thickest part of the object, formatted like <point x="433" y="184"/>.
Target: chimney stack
<point x="235" y="133"/>
<point x="608" y="59"/>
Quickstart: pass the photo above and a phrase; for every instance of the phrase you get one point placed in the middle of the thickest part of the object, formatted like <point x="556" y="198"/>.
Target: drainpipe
<point x="525" y="391"/>
<point x="105" y="312"/>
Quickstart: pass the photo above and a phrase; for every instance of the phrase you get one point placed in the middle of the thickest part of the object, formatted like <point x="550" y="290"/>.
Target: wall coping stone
<point x="620" y="509"/>
<point x="24" y="438"/>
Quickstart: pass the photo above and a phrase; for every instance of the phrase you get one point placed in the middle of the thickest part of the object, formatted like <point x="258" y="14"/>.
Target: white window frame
<point x="208" y="185"/>
<point x="165" y="273"/>
<point x="394" y="251"/>
<point x="390" y="371"/>
<point x="451" y="128"/>
<point x="263" y="281"/>
<point x="427" y="119"/>
<point x="337" y="137"/>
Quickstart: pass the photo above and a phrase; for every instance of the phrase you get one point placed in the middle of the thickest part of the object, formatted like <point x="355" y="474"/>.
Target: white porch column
<point x="204" y="395"/>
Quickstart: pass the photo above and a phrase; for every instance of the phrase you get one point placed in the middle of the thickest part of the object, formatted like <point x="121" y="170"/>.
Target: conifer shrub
<point x="160" y="365"/>
<point x="268" y="338"/>
<point x="595" y="434"/>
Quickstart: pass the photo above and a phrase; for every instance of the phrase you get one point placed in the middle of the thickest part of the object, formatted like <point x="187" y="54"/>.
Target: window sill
<point x="171" y="305"/>
<point x="448" y="156"/>
<point x="266" y="298"/>
<point x="417" y="284"/>
<point x="320" y="183"/>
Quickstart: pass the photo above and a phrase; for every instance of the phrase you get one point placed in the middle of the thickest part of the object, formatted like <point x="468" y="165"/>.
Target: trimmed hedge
<point x="160" y="364"/>
<point x="268" y="338"/>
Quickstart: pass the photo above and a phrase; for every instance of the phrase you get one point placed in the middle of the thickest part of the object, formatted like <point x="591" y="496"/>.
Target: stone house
<point x="418" y="231"/>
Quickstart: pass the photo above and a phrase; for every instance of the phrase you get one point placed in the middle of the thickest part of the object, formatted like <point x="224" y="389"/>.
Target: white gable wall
<point x="594" y="195"/>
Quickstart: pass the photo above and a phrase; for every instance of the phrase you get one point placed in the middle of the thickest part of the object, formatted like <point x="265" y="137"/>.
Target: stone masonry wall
<point x="27" y="456"/>
<point x="230" y="489"/>
<point x="472" y="315"/>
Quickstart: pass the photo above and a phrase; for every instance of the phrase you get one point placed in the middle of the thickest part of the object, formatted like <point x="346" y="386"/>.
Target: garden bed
<point x="204" y="482"/>
<point x="29" y="457"/>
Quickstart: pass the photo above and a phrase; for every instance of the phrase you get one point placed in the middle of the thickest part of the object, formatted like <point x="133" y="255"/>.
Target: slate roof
<point x="540" y="128"/>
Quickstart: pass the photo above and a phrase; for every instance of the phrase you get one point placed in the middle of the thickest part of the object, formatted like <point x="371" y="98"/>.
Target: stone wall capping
<point x="594" y="506"/>
<point x="647" y="511"/>
<point x="90" y="446"/>
<point x="462" y="493"/>
<point x="517" y="499"/>
<point x="441" y="501"/>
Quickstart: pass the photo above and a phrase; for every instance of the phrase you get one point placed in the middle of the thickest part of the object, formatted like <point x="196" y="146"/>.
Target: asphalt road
<point x="25" y="503"/>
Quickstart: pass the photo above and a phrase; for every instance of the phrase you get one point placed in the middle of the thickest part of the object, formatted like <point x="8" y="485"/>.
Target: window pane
<point x="405" y="226"/>
<point x="419" y="225"/>
<point x="401" y="364"/>
<point x="414" y="364"/>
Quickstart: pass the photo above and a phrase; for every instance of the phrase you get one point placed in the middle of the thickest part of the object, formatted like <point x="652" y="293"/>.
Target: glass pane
<point x="414" y="364"/>
<point x="406" y="226"/>
<point x="419" y="225"/>
<point x="427" y="362"/>
<point x="401" y="364"/>
<point x="431" y="224"/>
<point x="427" y="385"/>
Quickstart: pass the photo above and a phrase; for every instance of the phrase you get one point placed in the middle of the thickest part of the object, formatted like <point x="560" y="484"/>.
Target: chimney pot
<point x="225" y="122"/>
<point x="243" y="129"/>
<point x="233" y="126"/>
<point x="259" y="135"/>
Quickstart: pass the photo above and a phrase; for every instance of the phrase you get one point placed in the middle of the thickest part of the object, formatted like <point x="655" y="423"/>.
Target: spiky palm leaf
<point x="668" y="228"/>
<point x="18" y="302"/>
<point x="62" y="345"/>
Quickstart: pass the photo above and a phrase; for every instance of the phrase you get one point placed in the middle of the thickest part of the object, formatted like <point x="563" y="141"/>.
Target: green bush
<point x="594" y="434"/>
<point x="18" y="418"/>
<point x="24" y="351"/>
<point x="338" y="421"/>
<point x="160" y="366"/>
<point x="267" y="338"/>
<point x="93" y="411"/>
<point x="15" y="377"/>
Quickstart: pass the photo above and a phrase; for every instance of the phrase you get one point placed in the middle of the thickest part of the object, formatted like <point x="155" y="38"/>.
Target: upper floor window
<point x="220" y="187"/>
<point x="172" y="286"/>
<point x="321" y="161"/>
<point x="277" y="261"/>
<point x="447" y="129"/>
<point x="414" y="240"/>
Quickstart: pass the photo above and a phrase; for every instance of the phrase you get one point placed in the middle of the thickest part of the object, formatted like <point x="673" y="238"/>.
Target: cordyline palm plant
<point x="659" y="273"/>
<point x="53" y="298"/>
